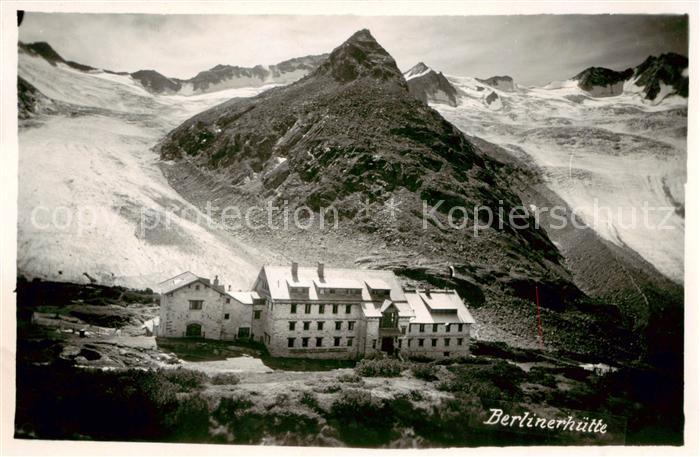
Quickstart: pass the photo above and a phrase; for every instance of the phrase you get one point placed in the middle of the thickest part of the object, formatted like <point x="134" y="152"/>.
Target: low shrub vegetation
<point x="349" y="378"/>
<point x="220" y="379"/>
<point x="187" y="380"/>
<point x="425" y="371"/>
<point x="379" y="367"/>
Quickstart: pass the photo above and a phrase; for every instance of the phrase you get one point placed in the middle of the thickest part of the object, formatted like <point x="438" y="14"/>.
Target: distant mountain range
<point x="216" y="78"/>
<point x="663" y="75"/>
<point x="655" y="78"/>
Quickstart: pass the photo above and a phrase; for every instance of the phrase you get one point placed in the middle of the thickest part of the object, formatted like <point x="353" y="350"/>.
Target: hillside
<point x="308" y="151"/>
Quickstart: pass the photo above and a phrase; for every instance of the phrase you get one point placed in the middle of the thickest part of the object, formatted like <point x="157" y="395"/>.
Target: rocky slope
<point x="427" y="85"/>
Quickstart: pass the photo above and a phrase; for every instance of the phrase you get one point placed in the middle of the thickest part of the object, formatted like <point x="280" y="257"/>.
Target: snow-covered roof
<point x="279" y="278"/>
<point x="176" y="282"/>
<point x="338" y="283"/>
<point x="377" y="284"/>
<point x="245" y="297"/>
<point x="374" y="309"/>
<point x="445" y="307"/>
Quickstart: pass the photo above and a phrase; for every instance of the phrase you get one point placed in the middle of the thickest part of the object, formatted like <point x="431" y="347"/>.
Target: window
<point x="390" y="319"/>
<point x="196" y="304"/>
<point x="460" y="327"/>
<point x="435" y="328"/>
<point x="408" y="342"/>
<point x="336" y="341"/>
<point x="335" y="309"/>
<point x="228" y="300"/>
<point x="244" y="332"/>
<point x="350" y="341"/>
<point x="319" y="325"/>
<point x="351" y="325"/>
<point x="321" y="309"/>
<point x="293" y="309"/>
<point x="290" y="342"/>
<point x="433" y="342"/>
<point x="460" y="341"/>
<point x="420" y="342"/>
<point x="256" y="314"/>
<point x="348" y="309"/>
<point x="447" y="328"/>
<point x="447" y="341"/>
<point x="338" y="325"/>
<point x="292" y="325"/>
<point x="307" y="325"/>
<point x="421" y="328"/>
<point x="400" y="341"/>
<point x="319" y="341"/>
<point x="226" y="316"/>
<point x="196" y="287"/>
<point x="305" y="342"/>
<point x="307" y="308"/>
<point x="374" y="344"/>
<point x="447" y="354"/>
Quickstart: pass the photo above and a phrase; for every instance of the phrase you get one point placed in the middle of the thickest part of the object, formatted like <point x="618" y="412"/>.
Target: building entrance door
<point x="388" y="344"/>
<point x="193" y="331"/>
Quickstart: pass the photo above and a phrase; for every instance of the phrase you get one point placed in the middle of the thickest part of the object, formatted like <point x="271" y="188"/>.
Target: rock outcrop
<point x="429" y="86"/>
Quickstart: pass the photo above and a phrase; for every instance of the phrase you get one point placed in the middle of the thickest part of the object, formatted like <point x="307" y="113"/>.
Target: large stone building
<point x="319" y="312"/>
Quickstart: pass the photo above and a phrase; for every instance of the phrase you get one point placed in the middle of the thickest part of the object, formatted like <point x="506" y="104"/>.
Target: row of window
<point x="321" y="308"/>
<point x="318" y="342"/>
<point x="321" y="324"/>
<point x="433" y="342"/>
<point x="198" y="304"/>
<point x="436" y="327"/>
<point x="326" y="291"/>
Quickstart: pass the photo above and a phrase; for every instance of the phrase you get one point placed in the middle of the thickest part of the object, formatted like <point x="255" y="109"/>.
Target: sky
<point x="534" y="50"/>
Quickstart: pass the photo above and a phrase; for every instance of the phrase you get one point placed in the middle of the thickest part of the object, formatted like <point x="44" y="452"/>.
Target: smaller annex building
<point x="318" y="312"/>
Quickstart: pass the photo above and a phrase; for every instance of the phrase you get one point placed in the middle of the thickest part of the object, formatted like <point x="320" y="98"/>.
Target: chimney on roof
<point x="452" y="271"/>
<point x="229" y="287"/>
<point x="216" y="280"/>
<point x="427" y="292"/>
<point x="295" y="271"/>
<point x="320" y="271"/>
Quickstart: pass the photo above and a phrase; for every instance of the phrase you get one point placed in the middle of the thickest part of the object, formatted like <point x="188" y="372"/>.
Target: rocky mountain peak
<point x="359" y="57"/>
<point x="430" y="86"/>
<point x="42" y="49"/>
<point x="499" y="82"/>
<point x="603" y="82"/>
<point x="670" y="69"/>
<point x="416" y="70"/>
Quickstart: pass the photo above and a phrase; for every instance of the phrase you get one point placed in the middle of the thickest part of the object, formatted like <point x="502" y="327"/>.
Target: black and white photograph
<point x="368" y="229"/>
